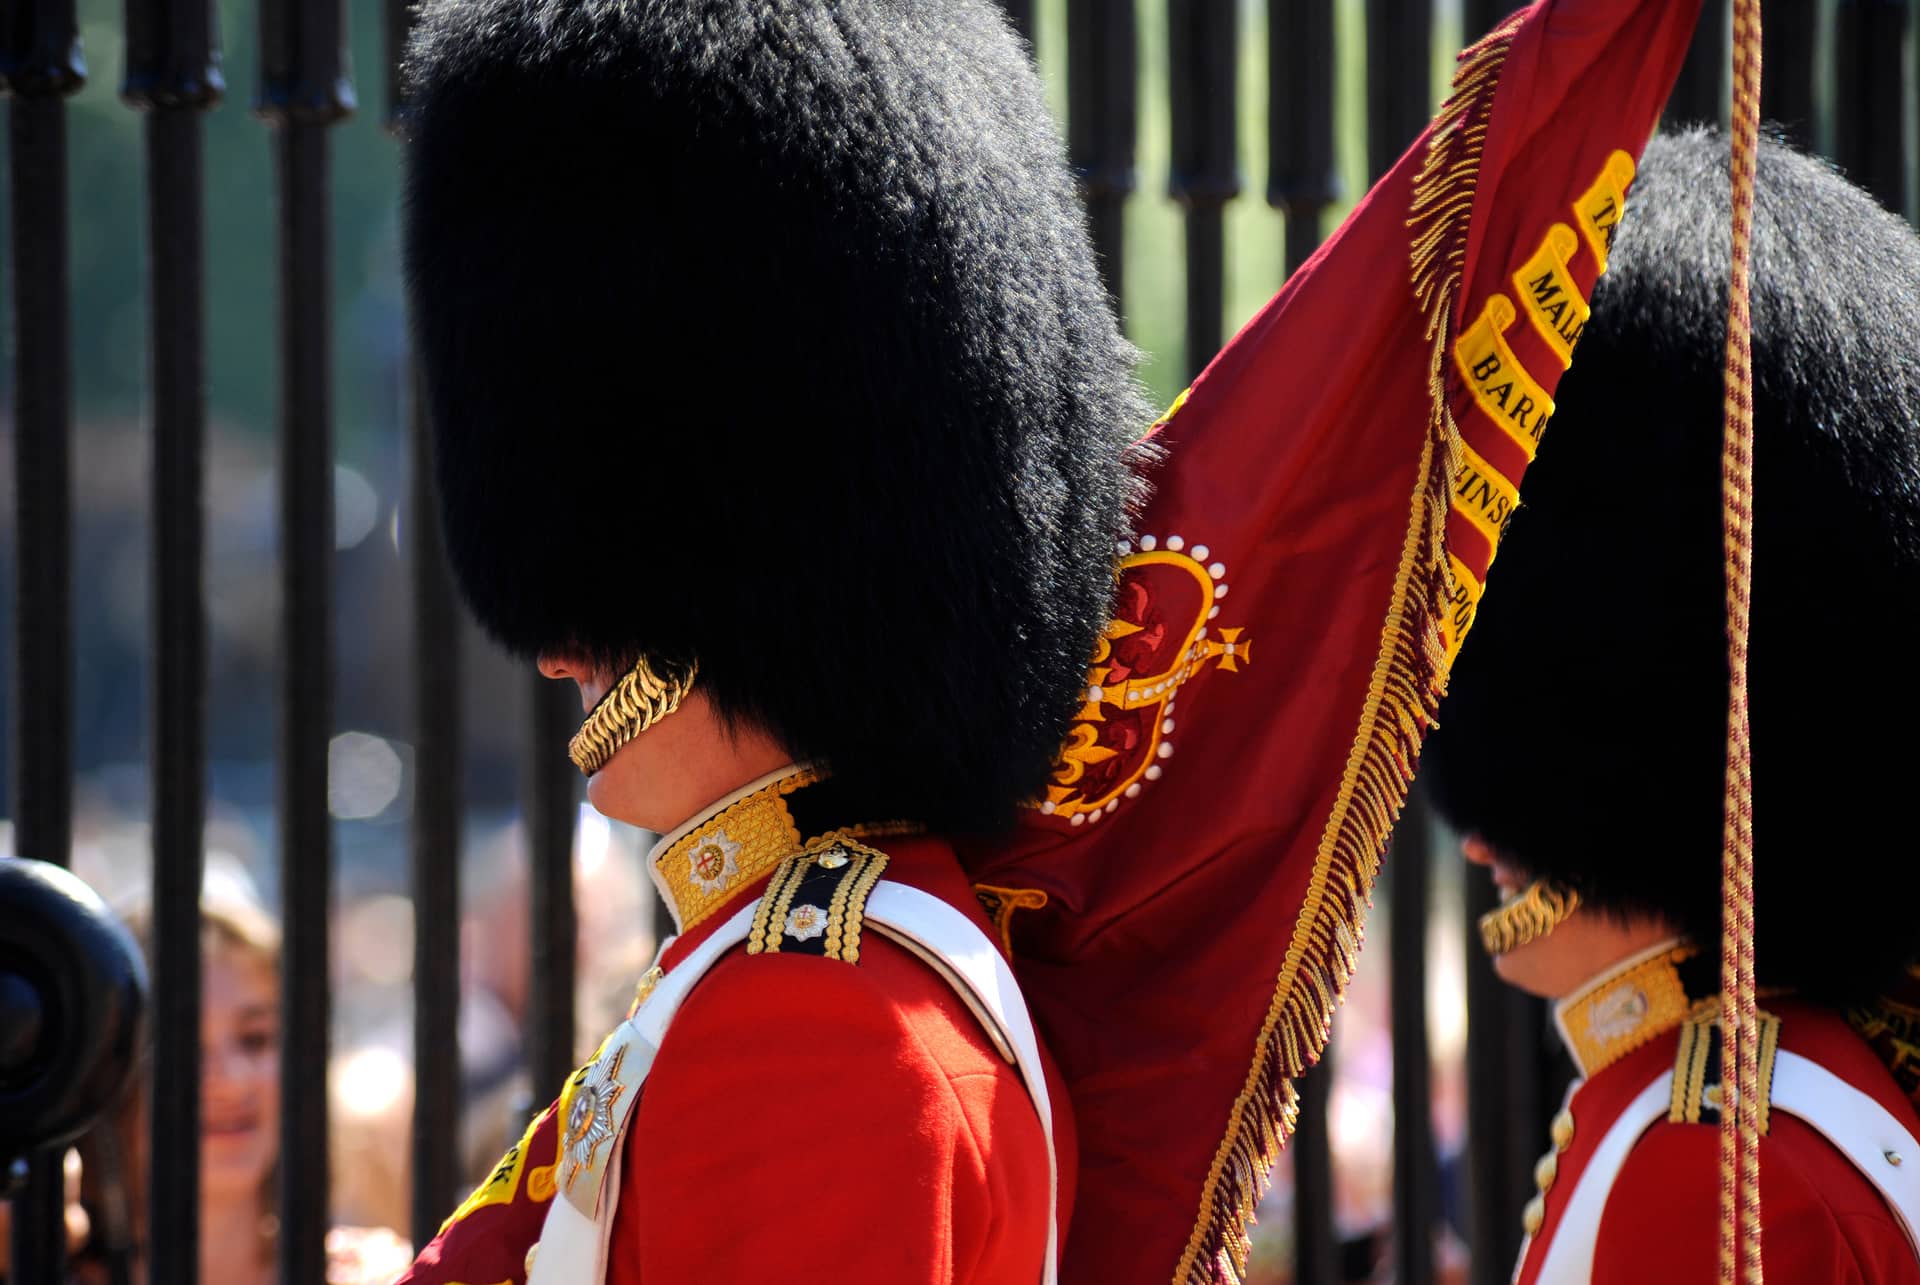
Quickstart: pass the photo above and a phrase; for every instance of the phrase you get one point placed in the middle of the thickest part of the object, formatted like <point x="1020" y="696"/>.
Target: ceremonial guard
<point x="1584" y="736"/>
<point x="777" y="403"/>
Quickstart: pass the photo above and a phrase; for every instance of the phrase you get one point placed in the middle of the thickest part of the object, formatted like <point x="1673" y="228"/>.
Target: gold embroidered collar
<point x="704" y="864"/>
<point x="1637" y="1000"/>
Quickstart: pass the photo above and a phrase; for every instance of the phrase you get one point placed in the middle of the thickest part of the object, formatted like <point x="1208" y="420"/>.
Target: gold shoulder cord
<point x="635" y="703"/>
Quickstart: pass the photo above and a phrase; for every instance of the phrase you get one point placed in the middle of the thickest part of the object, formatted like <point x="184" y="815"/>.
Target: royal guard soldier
<point x="1582" y="743"/>
<point x="778" y="404"/>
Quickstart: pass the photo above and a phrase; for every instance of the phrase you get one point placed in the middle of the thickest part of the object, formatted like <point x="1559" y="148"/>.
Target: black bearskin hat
<point x="767" y="333"/>
<point x="1585" y="730"/>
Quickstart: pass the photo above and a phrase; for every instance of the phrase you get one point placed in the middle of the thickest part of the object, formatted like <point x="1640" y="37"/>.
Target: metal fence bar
<point x="1415" y="1174"/>
<point x="173" y="74"/>
<point x="1700" y="93"/>
<point x="1302" y="177"/>
<point x="436" y="854"/>
<point x="1871" y="123"/>
<point x="1316" y="1238"/>
<point x="304" y="90"/>
<point x="1103" y="122"/>
<point x="1790" y="37"/>
<point x="40" y="64"/>
<point x="551" y="808"/>
<point x="1203" y="49"/>
<point x="44" y="66"/>
<point x="437" y="764"/>
<point x="1514" y="1081"/>
<point x="1399" y="78"/>
<point x="1478" y="17"/>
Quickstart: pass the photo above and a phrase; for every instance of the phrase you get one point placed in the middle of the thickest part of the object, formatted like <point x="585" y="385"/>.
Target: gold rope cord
<point x="1739" y="1128"/>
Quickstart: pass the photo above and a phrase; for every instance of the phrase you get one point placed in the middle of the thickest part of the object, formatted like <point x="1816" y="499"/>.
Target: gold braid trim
<point x="1408" y="678"/>
<point x="1527" y="917"/>
<point x="635" y="703"/>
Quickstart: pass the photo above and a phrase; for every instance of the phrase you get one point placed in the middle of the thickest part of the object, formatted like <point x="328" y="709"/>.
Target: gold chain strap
<point x="1543" y="907"/>
<point x="635" y="703"/>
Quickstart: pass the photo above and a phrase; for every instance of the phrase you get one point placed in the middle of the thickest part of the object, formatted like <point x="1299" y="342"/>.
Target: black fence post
<point x="1103" y="122"/>
<point x="1514" y="1083"/>
<point x="1872" y="123"/>
<point x="1203" y="55"/>
<point x="551" y="782"/>
<point x="1399" y="78"/>
<point x="1302" y="179"/>
<point x="173" y="75"/>
<point x="40" y="64"/>
<point x="1789" y="37"/>
<point x="304" y="89"/>
<point x="1316" y="1238"/>
<point x="437" y="773"/>
<point x="1481" y="16"/>
<point x="1415" y="1173"/>
<point x="1700" y="94"/>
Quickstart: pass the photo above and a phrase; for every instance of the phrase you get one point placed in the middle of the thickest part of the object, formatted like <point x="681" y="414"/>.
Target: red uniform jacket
<point x="805" y="1120"/>
<point x="1822" y="1220"/>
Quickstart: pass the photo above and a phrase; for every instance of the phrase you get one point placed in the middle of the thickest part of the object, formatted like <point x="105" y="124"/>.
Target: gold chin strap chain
<point x="1529" y="916"/>
<point x="635" y="703"/>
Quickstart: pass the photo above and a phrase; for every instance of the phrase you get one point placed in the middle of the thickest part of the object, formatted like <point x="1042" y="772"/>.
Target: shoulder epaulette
<point x="1697" y="1067"/>
<point x="816" y="902"/>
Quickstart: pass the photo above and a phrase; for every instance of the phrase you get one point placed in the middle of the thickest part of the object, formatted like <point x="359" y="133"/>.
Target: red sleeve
<point x="1821" y="1220"/>
<point x="809" y="1120"/>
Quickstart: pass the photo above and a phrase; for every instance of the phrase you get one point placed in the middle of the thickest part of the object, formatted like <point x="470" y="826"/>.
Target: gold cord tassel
<point x="635" y="703"/>
<point x="1740" y="1031"/>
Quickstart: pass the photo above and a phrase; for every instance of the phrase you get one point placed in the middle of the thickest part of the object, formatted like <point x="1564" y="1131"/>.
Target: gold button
<point x="831" y="860"/>
<point x="1546" y="1171"/>
<point x="1563" y="1131"/>
<point x="1534" y="1216"/>
<point x="532" y="1251"/>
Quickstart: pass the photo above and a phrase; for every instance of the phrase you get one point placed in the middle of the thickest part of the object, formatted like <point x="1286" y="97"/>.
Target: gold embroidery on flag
<point x="1500" y="384"/>
<point x="1462" y="607"/>
<point x="1598" y="211"/>
<point x="1548" y="295"/>
<point x="1484" y="497"/>
<point x="500" y="1184"/>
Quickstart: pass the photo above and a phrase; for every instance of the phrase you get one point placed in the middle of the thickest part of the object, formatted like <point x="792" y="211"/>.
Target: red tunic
<point x="809" y="1120"/>
<point x="1821" y="1218"/>
<point x="806" y="1120"/>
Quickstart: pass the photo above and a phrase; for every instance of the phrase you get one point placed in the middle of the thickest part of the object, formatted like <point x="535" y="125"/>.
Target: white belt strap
<point x="574" y="1242"/>
<point x="1862" y="1130"/>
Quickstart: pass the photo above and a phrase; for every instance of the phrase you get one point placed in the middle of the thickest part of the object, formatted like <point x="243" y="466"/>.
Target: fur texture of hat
<point x="768" y="332"/>
<point x="1585" y="730"/>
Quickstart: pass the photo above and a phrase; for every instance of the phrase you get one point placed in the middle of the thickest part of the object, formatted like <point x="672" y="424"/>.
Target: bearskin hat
<point x="767" y="333"/>
<point x="1585" y="730"/>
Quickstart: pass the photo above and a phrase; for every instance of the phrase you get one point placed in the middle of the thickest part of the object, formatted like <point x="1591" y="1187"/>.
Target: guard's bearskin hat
<point x="1585" y="730"/>
<point x="767" y="333"/>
